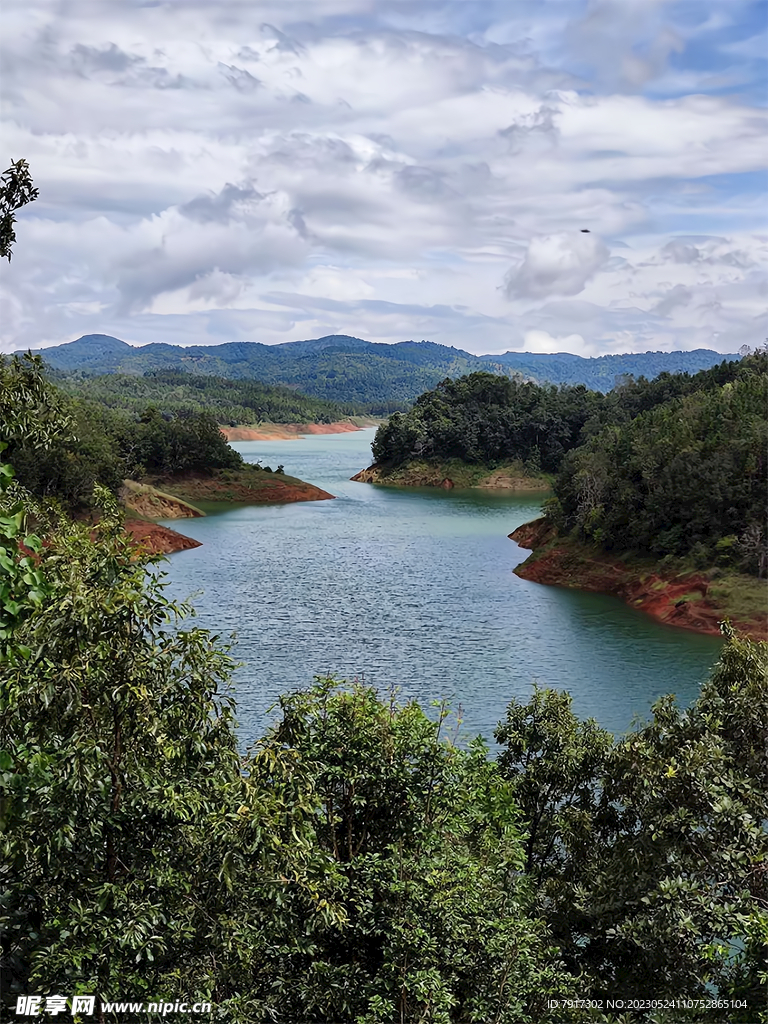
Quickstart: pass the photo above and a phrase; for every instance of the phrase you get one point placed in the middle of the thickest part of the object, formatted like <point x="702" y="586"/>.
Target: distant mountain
<point x="601" y="373"/>
<point x="340" y="368"/>
<point x="336" y="368"/>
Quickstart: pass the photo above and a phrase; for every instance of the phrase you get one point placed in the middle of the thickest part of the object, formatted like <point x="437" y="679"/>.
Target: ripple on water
<point x="415" y="590"/>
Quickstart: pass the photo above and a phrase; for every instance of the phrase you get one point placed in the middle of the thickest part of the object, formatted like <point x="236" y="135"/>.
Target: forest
<point x="232" y="402"/>
<point x="353" y="863"/>
<point x="337" y="368"/>
<point x="601" y="373"/>
<point x="92" y="444"/>
<point x="672" y="467"/>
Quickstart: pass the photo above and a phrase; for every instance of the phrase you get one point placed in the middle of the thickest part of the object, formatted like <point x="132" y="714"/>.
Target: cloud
<point x="677" y="296"/>
<point x="557" y="265"/>
<point x="541" y="341"/>
<point x="625" y="43"/>
<point x="222" y="207"/>
<point x="422" y="169"/>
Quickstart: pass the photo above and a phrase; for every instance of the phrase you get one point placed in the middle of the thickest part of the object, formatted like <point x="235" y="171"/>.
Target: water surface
<point x="414" y="589"/>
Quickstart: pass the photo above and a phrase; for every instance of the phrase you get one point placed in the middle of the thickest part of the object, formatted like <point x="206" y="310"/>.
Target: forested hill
<point x="231" y="402"/>
<point x="602" y="373"/>
<point x="337" y="368"/>
<point x="675" y="466"/>
<point x="345" y="369"/>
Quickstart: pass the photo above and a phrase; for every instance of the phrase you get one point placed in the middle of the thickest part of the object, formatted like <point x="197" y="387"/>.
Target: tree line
<point x="232" y="402"/>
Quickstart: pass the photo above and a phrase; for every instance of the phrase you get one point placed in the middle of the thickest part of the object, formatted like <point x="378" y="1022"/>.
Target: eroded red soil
<point x="682" y="600"/>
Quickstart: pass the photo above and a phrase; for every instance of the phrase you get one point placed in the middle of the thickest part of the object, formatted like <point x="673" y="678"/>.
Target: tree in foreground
<point x="353" y="867"/>
<point x="650" y="854"/>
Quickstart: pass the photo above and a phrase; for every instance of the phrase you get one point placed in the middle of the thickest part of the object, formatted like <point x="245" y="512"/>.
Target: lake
<point x="414" y="589"/>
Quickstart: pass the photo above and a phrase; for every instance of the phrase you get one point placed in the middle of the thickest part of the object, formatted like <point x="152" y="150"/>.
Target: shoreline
<point x="687" y="600"/>
<point x="289" y="431"/>
<point x="157" y="539"/>
<point x="453" y="473"/>
<point x="145" y="502"/>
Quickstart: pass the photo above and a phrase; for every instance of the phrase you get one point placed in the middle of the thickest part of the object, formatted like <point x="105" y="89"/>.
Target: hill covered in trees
<point x="602" y="373"/>
<point x="675" y="467"/>
<point x="343" y="369"/>
<point x="336" y="368"/>
<point x="100" y="446"/>
<point x="231" y="402"/>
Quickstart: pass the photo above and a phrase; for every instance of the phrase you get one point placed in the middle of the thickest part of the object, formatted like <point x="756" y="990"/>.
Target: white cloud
<point x="542" y="341"/>
<point x="395" y="160"/>
<point x="557" y="265"/>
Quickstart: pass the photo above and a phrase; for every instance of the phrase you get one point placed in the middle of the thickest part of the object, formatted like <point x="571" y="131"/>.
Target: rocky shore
<point x="690" y="600"/>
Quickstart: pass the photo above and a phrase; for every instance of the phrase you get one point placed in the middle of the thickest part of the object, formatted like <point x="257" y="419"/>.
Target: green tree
<point x="426" y="840"/>
<point x="649" y="853"/>
<point x="680" y="477"/>
<point x="140" y="853"/>
<point x="30" y="413"/>
<point x="16" y="190"/>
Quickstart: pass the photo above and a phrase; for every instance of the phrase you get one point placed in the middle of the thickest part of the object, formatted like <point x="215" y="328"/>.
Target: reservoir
<point x="414" y="590"/>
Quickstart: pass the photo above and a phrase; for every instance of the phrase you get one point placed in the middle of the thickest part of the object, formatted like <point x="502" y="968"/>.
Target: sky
<point x="583" y="176"/>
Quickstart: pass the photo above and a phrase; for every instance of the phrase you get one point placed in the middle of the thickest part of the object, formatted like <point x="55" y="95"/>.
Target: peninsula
<point x="694" y="599"/>
<point x="658" y="487"/>
<point x="173" y="497"/>
<point x="158" y="463"/>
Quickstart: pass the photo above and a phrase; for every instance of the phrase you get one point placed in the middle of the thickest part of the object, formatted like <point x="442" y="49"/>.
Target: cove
<point x="414" y="589"/>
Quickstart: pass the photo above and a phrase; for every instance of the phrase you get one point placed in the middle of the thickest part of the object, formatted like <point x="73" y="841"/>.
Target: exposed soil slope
<point x="248" y="484"/>
<point x="151" y="503"/>
<point x="288" y="431"/>
<point x="158" y="539"/>
<point x="453" y="473"/>
<point x="691" y="600"/>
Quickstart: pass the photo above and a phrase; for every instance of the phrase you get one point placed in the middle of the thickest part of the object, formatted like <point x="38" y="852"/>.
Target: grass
<point x="743" y="597"/>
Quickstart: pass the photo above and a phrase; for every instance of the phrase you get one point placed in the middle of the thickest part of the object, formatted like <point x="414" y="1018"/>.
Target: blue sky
<point x="392" y="170"/>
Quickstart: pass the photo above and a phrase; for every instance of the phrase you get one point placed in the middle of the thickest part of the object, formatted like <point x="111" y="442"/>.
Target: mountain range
<point x="345" y="369"/>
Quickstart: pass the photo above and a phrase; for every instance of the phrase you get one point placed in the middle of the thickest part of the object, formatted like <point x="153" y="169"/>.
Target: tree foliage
<point x="687" y="476"/>
<point x="16" y="190"/>
<point x="89" y="444"/>
<point x="230" y="401"/>
<point x="487" y="419"/>
<point x="649" y="853"/>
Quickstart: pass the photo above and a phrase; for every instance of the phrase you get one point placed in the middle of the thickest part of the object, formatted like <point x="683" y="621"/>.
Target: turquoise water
<point x="414" y="589"/>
